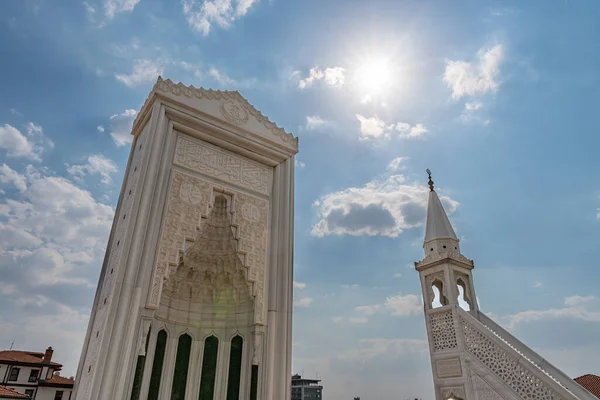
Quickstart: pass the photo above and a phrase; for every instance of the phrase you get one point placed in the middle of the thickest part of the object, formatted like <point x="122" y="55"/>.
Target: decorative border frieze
<point x="204" y="158"/>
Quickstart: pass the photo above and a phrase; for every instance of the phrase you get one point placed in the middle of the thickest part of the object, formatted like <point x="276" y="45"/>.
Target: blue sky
<point x="498" y="99"/>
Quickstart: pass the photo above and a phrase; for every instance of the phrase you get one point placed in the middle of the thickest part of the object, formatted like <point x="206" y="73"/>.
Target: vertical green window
<point x="254" y="383"/>
<point x="182" y="362"/>
<point x="157" y="365"/>
<point x="209" y="368"/>
<point x="235" y="368"/>
<point x="139" y="372"/>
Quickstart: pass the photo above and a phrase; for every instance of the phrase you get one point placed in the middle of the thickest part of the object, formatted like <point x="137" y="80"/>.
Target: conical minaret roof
<point x="438" y="225"/>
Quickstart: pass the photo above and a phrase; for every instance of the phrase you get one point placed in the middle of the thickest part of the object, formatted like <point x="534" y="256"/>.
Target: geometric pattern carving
<point x="453" y="393"/>
<point x="210" y="278"/>
<point x="505" y="367"/>
<point x="442" y="331"/>
<point x="210" y="160"/>
<point x="483" y="390"/>
<point x="188" y="201"/>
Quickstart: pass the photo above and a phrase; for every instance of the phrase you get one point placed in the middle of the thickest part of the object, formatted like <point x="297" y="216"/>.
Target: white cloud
<point x="397" y="275"/>
<point x="303" y="302"/>
<point x="10" y="176"/>
<point x="30" y="146"/>
<point x="577" y="300"/>
<point x="97" y="164"/>
<point x="472" y="114"/>
<point x="220" y="77"/>
<point x="315" y="122"/>
<point x="368" y="310"/>
<point x="333" y="76"/>
<point x="202" y="15"/>
<point x="404" y="305"/>
<point x="100" y="128"/>
<point x="358" y="320"/>
<point x="538" y="284"/>
<point x="375" y="347"/>
<point x="120" y="127"/>
<point x="143" y="71"/>
<point x="381" y="207"/>
<point x="372" y="128"/>
<point x="114" y="7"/>
<point x="14" y="111"/>
<point x="396" y="164"/>
<point x="480" y="77"/>
<point x="299" y="285"/>
<point x="299" y="164"/>
<point x="574" y="309"/>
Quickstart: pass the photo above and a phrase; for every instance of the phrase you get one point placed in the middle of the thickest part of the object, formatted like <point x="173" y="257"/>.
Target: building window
<point x="58" y="395"/>
<point x="182" y="361"/>
<point x="209" y="368"/>
<point x="14" y="374"/>
<point x="33" y="375"/>
<point x="29" y="392"/>
<point x="235" y="368"/>
<point x="157" y="365"/>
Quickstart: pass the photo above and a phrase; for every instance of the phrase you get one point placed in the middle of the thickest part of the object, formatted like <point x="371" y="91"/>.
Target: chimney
<point x="48" y="355"/>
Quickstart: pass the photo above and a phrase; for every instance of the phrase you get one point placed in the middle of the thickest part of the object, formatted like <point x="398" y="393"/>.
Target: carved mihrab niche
<point x="189" y="200"/>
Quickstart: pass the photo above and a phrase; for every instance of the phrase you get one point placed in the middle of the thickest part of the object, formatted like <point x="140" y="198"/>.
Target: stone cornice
<point x="433" y="260"/>
<point x="230" y="100"/>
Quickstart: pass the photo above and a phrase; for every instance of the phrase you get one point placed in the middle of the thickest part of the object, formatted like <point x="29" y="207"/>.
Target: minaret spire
<point x="439" y="234"/>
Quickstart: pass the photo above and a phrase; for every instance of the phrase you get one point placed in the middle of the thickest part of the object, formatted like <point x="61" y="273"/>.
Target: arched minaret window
<point x="157" y="365"/>
<point x="437" y="294"/>
<point x="182" y="362"/>
<point x="464" y="300"/>
<point x="209" y="368"/>
<point x="235" y="368"/>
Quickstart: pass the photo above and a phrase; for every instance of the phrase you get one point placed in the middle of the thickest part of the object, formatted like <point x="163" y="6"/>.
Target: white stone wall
<point x="111" y="271"/>
<point x="48" y="393"/>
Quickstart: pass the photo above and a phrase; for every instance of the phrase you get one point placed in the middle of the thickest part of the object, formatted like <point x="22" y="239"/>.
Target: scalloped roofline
<point x="179" y="89"/>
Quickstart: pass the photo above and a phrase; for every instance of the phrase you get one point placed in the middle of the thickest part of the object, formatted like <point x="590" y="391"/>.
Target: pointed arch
<point x="235" y="368"/>
<point x="182" y="361"/>
<point x="209" y="368"/>
<point x="157" y="364"/>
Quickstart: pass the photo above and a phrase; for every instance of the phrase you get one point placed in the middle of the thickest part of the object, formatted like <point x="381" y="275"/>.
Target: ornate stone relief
<point x="234" y="112"/>
<point x="483" y="390"/>
<point x="449" y="254"/>
<point x="239" y="116"/>
<point x="506" y="368"/>
<point x="189" y="198"/>
<point x="442" y="331"/>
<point x="202" y="157"/>
<point x="455" y="392"/>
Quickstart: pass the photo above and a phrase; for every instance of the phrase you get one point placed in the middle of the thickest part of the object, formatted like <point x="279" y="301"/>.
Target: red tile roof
<point x="6" y="393"/>
<point x="591" y="383"/>
<point x="58" y="380"/>
<point x="25" y="357"/>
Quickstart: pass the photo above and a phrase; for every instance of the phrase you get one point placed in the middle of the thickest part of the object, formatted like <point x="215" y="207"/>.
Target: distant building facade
<point x="33" y="374"/>
<point x="306" y="389"/>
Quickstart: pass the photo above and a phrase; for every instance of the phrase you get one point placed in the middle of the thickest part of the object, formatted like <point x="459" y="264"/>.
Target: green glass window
<point x="235" y="368"/>
<point x="182" y="362"/>
<point x="157" y="365"/>
<point x="209" y="368"/>
<point x="139" y="372"/>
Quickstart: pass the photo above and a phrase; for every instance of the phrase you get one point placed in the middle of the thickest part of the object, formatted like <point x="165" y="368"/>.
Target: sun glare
<point x="374" y="76"/>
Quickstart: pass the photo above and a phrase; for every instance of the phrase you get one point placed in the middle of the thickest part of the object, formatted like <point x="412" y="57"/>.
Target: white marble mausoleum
<point x="195" y="294"/>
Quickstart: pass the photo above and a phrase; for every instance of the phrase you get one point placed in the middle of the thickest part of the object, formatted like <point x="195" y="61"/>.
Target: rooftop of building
<point x="299" y="380"/>
<point x="58" y="380"/>
<point x="6" y="393"/>
<point x="591" y="383"/>
<point x="25" y="357"/>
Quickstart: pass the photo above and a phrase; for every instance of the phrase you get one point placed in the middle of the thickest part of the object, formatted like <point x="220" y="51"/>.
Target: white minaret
<point x="472" y="357"/>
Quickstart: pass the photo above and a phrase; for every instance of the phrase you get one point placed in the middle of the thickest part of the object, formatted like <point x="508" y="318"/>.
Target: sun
<point x="374" y="76"/>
